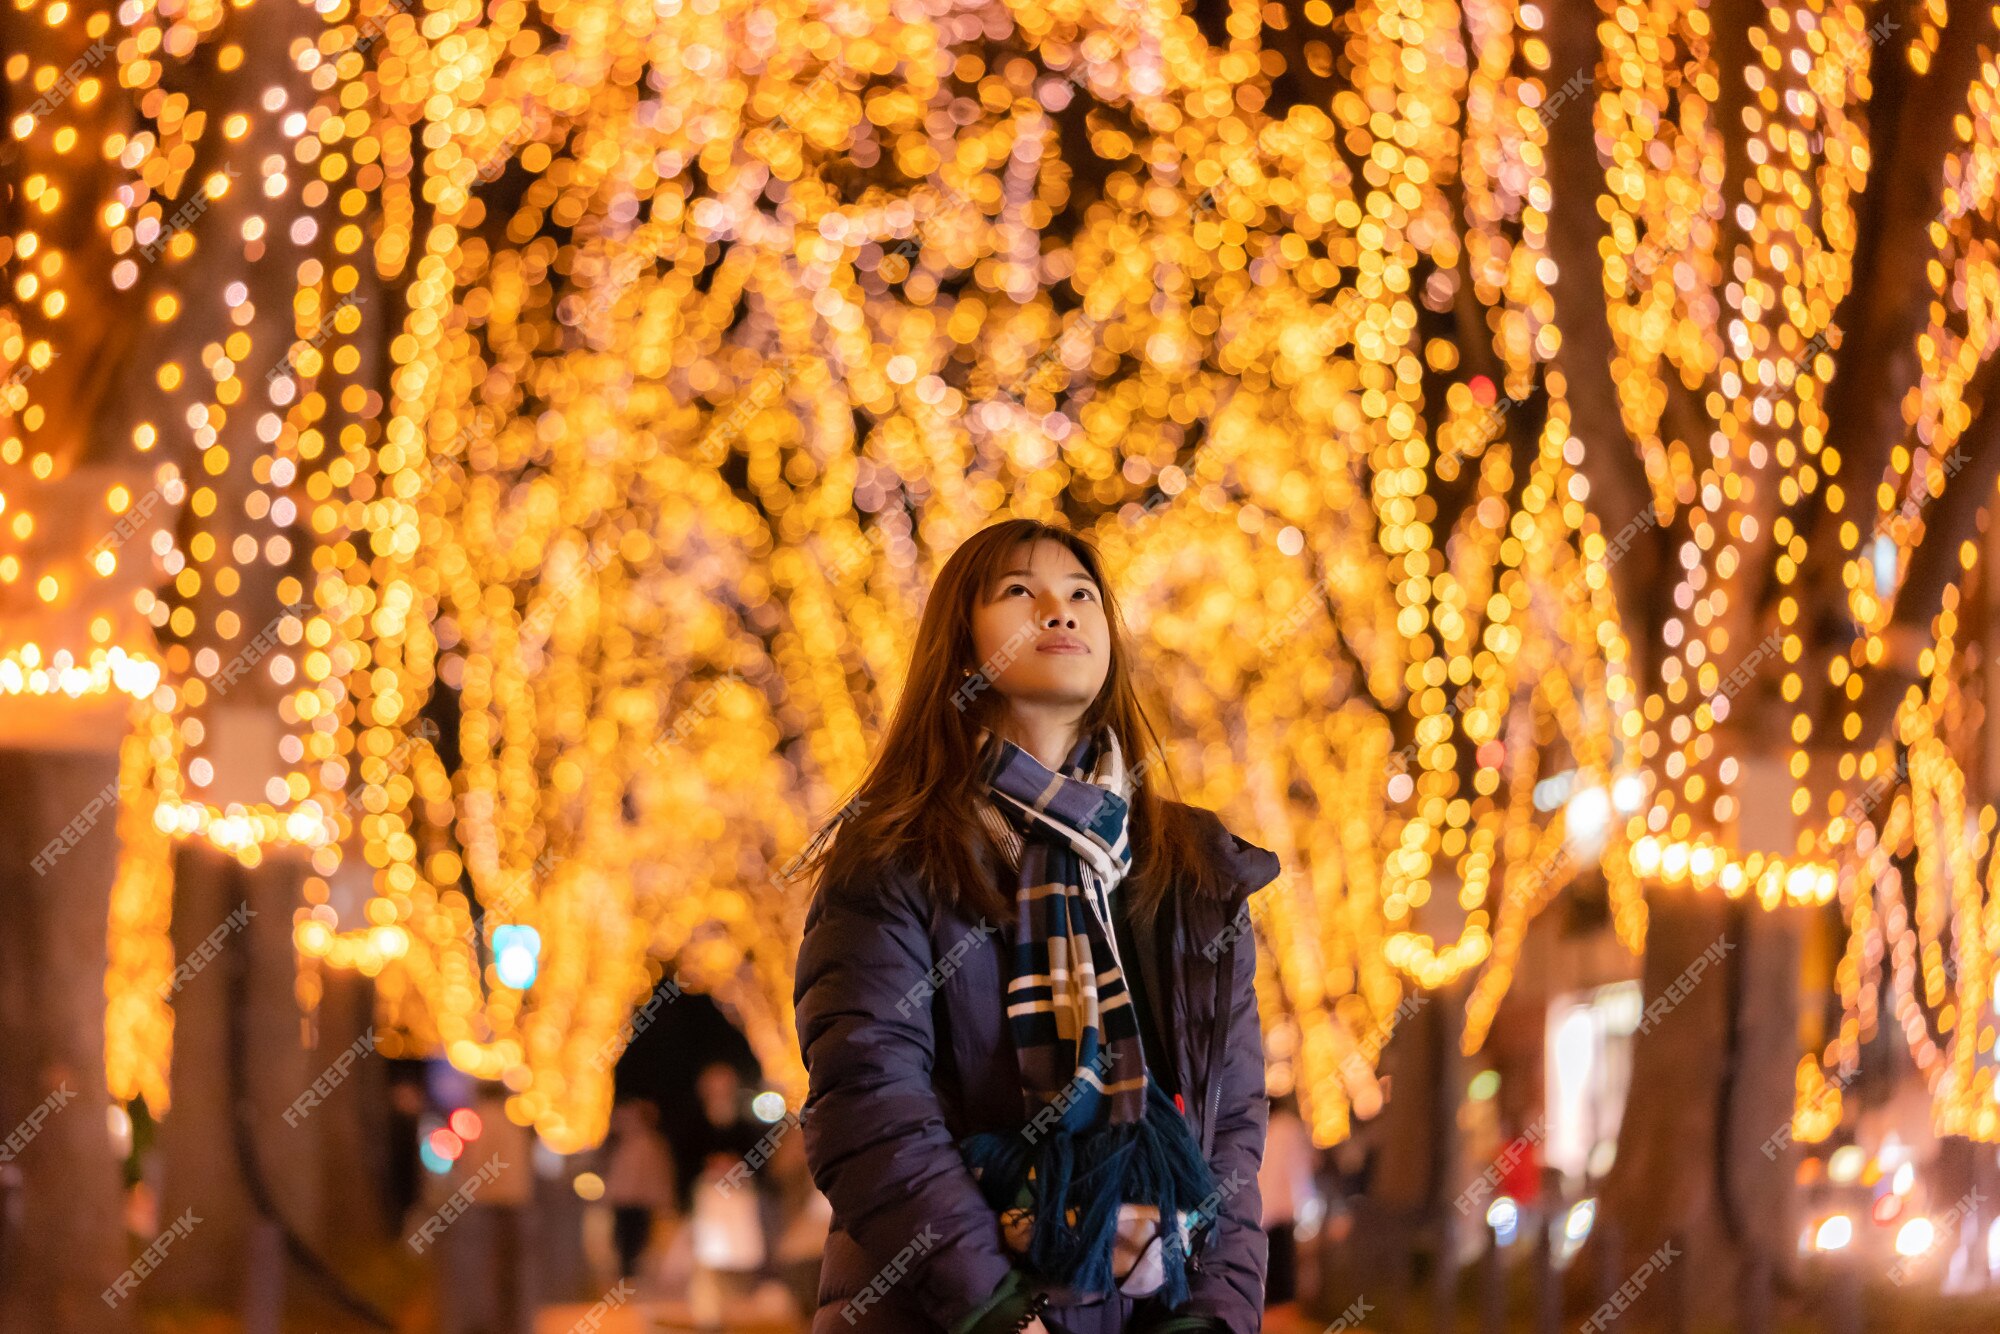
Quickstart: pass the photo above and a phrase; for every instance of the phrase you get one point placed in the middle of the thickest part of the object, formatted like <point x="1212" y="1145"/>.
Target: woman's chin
<point x="1054" y="686"/>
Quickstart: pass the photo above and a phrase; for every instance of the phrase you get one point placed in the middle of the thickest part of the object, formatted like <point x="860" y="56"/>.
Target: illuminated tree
<point x="1481" y="405"/>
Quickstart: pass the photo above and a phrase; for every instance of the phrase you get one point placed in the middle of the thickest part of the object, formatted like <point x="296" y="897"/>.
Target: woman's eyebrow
<point x="1009" y="574"/>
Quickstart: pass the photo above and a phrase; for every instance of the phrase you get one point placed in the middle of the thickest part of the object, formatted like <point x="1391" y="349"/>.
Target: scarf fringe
<point x="1154" y="1160"/>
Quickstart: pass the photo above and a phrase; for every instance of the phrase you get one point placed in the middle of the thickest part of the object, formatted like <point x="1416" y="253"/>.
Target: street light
<point x="1834" y="1234"/>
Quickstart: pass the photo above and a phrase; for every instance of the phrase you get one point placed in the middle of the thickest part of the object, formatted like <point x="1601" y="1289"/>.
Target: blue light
<point x="1884" y="559"/>
<point x="1504" y="1217"/>
<point x="517" y="952"/>
<point x="432" y="1159"/>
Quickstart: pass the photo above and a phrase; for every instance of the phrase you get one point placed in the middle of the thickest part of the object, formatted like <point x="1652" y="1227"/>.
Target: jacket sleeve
<point x="875" y="1135"/>
<point x="1230" y="1283"/>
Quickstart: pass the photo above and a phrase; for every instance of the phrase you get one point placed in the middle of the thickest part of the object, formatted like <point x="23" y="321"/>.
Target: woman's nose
<point x="1060" y="614"/>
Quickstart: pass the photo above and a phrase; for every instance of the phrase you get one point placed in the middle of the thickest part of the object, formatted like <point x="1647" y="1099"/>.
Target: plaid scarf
<point x="1105" y="1154"/>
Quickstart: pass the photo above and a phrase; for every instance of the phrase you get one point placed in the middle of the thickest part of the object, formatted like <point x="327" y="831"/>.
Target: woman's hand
<point x="1035" y="1326"/>
<point x="1138" y="1228"/>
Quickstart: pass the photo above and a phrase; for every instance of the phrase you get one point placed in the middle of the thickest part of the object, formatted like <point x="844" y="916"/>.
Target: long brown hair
<point x="915" y="802"/>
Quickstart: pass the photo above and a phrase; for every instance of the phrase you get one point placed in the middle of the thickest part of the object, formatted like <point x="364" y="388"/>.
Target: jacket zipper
<point x="1214" y="1100"/>
<point x="1225" y="973"/>
<point x="1217" y="1047"/>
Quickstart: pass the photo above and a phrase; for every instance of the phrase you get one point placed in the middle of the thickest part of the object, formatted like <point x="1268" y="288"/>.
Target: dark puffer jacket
<point x="901" y="1020"/>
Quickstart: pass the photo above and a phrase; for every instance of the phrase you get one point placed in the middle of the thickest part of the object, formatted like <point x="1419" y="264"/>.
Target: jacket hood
<point x="1244" y="867"/>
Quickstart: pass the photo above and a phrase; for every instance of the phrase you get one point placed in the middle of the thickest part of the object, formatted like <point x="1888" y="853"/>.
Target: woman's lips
<point x="1061" y="648"/>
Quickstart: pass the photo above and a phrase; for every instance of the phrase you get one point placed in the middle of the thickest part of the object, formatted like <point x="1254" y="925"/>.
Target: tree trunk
<point x="1704" y="1168"/>
<point x="62" y="1241"/>
<point x="1404" y="1237"/>
<point x="235" y="1017"/>
<point x="353" y="1137"/>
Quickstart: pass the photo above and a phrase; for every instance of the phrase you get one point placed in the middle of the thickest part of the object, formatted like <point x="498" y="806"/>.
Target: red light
<point x="465" y="1124"/>
<point x="446" y="1145"/>
<point x="1887" y="1208"/>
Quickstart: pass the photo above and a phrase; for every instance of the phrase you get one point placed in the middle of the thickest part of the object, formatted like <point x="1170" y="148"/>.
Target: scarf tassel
<point x="1153" y="1160"/>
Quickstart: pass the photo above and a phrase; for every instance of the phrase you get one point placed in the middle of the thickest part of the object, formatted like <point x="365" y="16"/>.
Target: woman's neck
<point x="1047" y="737"/>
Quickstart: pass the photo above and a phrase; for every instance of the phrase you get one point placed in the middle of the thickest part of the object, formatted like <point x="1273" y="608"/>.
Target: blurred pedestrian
<point x="804" y="1220"/>
<point x="638" y="1179"/>
<point x="725" y="1216"/>
<point x="727" y="1133"/>
<point x="1285" y="1178"/>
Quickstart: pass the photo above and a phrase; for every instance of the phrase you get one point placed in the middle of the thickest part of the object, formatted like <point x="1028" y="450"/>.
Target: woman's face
<point x="1039" y="632"/>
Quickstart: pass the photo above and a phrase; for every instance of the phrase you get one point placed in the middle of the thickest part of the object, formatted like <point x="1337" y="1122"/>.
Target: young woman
<point x="1025" y="991"/>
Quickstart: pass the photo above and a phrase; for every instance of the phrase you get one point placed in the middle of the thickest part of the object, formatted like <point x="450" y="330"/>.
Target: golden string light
<point x="599" y="389"/>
